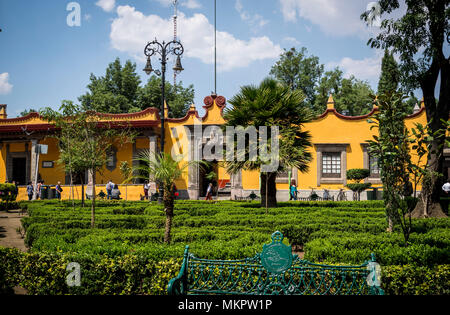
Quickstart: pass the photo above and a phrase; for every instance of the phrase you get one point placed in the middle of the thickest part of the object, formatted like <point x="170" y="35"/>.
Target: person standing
<point x="293" y="191"/>
<point x="30" y="191"/>
<point x="109" y="188"/>
<point x="39" y="187"/>
<point x="209" y="192"/>
<point x="58" y="191"/>
<point x="146" y="189"/>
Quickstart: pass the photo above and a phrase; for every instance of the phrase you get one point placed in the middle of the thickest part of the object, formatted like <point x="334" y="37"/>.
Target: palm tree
<point x="272" y="104"/>
<point x="164" y="170"/>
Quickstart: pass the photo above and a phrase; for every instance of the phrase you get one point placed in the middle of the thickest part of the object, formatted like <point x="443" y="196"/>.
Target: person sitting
<point x="115" y="193"/>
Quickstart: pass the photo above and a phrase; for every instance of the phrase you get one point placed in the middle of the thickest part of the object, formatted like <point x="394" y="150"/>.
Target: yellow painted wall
<point x="51" y="176"/>
<point x="2" y="164"/>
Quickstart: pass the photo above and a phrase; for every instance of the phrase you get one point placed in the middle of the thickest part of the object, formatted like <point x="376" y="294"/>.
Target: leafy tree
<point x="421" y="142"/>
<point x="390" y="74"/>
<point x="116" y="92"/>
<point x="271" y="104"/>
<point x="86" y="141"/>
<point x="68" y="146"/>
<point x="352" y="96"/>
<point x="391" y="147"/>
<point x="356" y="97"/>
<point x="119" y="91"/>
<point x="27" y="112"/>
<point x="330" y="83"/>
<point x="418" y="37"/>
<point x="299" y="72"/>
<point x="178" y="98"/>
<point x="358" y="175"/>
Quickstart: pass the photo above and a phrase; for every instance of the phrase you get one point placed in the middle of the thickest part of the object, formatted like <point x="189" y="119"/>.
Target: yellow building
<point x="339" y="144"/>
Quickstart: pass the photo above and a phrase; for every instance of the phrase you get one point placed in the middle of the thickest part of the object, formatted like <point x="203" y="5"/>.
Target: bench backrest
<point x="277" y="271"/>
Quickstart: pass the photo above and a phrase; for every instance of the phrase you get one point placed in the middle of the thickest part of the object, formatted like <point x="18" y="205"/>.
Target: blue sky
<point x="44" y="61"/>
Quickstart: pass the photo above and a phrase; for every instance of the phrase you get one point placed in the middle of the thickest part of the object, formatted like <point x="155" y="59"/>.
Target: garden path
<point x="9" y="237"/>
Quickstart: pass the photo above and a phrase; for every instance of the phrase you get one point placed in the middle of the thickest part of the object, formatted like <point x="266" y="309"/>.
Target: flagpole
<point x="215" y="47"/>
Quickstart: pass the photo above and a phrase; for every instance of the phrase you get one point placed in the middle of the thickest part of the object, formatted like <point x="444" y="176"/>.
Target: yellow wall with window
<point x="330" y="129"/>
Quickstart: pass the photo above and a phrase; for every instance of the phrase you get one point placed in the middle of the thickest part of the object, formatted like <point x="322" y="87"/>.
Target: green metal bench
<point x="274" y="271"/>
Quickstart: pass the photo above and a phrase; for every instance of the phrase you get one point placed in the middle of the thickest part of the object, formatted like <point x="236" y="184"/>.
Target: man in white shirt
<point x="109" y="188"/>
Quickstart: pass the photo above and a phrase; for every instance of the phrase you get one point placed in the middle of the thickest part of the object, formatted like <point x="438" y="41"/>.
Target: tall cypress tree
<point x="390" y="74"/>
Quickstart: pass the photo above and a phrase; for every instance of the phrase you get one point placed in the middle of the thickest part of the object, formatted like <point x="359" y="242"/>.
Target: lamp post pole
<point x="163" y="50"/>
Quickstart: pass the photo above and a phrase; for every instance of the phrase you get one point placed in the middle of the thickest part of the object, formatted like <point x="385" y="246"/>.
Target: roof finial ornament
<point x="330" y="103"/>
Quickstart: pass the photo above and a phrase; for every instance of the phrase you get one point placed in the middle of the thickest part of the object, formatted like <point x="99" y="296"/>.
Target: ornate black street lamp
<point x="163" y="50"/>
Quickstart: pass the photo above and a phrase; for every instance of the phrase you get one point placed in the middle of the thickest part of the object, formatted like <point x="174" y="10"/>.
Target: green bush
<point x="414" y="280"/>
<point x="10" y="269"/>
<point x="8" y="192"/>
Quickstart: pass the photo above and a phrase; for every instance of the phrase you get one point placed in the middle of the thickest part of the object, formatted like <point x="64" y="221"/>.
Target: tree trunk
<point x="168" y="208"/>
<point x="270" y="192"/>
<point x="93" y="200"/>
<point x="435" y="113"/>
<point x="72" y="191"/>
<point x="82" y="191"/>
<point x="390" y="225"/>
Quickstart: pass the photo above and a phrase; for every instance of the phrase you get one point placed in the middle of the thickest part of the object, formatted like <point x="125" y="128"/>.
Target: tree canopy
<point x="299" y="72"/>
<point x="352" y="97"/>
<point x="418" y="37"/>
<point x="305" y="73"/>
<point x="120" y="91"/>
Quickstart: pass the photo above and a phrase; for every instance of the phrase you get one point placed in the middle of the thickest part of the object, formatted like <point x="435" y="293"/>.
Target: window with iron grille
<point x="373" y="165"/>
<point x="331" y="164"/>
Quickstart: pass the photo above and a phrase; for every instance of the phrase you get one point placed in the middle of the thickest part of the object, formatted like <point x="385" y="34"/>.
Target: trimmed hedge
<point x="414" y="280"/>
<point x="121" y="254"/>
<point x="45" y="274"/>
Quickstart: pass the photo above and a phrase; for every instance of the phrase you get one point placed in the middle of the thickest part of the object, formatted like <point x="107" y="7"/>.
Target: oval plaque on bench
<point x="276" y="257"/>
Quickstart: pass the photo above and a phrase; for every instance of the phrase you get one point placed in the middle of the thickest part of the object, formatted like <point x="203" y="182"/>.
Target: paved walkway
<point x="10" y="238"/>
<point x="9" y="223"/>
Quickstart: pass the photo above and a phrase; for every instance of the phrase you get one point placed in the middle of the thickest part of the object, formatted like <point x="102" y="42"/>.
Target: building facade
<point x="339" y="143"/>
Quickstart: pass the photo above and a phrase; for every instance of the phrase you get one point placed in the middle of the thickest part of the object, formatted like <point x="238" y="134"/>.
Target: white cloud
<point x="5" y="86"/>
<point x="334" y="17"/>
<point x="255" y="21"/>
<point x="106" y="5"/>
<point x="191" y="4"/>
<point x="291" y="40"/>
<point x="165" y="3"/>
<point x="364" y="69"/>
<point x="132" y="29"/>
